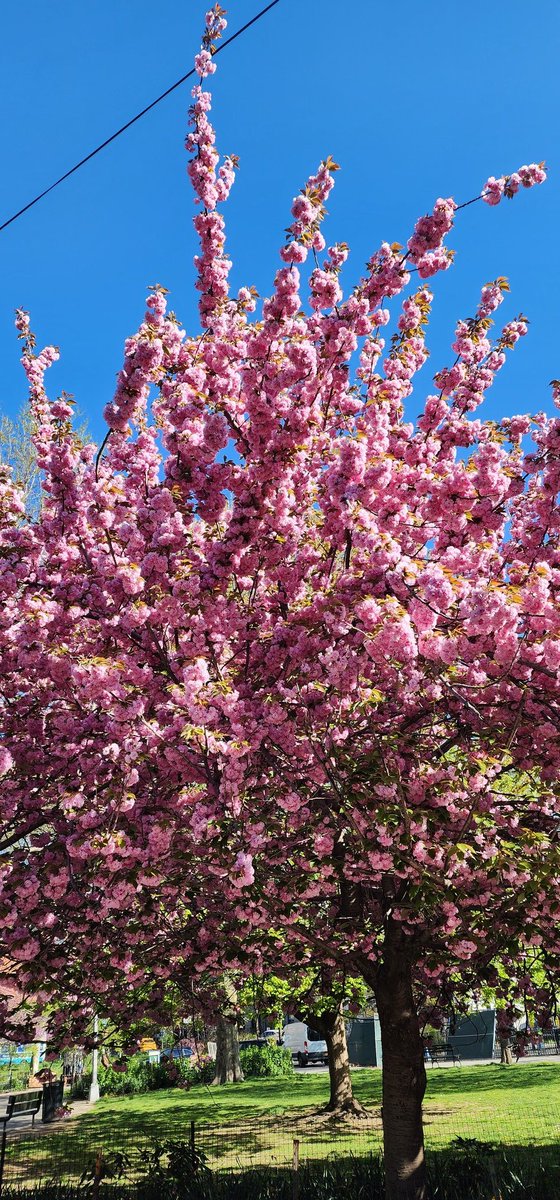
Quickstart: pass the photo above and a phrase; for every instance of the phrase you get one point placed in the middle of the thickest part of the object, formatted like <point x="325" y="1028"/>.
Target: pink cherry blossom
<point x="280" y="664"/>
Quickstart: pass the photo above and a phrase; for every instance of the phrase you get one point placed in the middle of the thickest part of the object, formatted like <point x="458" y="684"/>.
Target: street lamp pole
<point x="94" y="1086"/>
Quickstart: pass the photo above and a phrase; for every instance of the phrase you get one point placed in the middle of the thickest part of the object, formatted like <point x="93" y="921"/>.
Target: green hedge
<point x="141" y="1075"/>
<point x="266" y="1062"/>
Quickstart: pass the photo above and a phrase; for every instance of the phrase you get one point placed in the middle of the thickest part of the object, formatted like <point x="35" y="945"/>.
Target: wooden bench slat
<point x="21" y="1104"/>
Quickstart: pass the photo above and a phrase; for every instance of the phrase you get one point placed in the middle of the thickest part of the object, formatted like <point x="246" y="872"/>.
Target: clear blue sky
<point x="414" y="101"/>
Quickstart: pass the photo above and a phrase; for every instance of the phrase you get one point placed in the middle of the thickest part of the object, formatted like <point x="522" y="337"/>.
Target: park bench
<point x="19" y="1104"/>
<point x="22" y="1104"/>
<point x="441" y="1054"/>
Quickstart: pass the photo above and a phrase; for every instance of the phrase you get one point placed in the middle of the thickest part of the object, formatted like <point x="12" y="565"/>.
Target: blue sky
<point x="414" y="101"/>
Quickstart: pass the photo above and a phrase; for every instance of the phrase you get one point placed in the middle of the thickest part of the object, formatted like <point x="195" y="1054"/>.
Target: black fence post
<point x="193" y="1145"/>
<point x="2" y="1153"/>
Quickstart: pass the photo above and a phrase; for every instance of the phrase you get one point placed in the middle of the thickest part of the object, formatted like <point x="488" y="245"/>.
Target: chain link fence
<point x="532" y="1045"/>
<point x="73" y="1154"/>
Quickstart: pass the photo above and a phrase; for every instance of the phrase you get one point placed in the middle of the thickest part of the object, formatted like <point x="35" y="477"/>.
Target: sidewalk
<point x="525" y="1060"/>
<point x="21" y="1126"/>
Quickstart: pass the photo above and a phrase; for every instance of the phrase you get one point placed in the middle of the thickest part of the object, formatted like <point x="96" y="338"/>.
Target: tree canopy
<point x="280" y="665"/>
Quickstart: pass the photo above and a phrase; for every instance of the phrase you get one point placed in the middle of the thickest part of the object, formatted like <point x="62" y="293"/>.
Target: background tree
<point x="18" y="452"/>
<point x="322" y="999"/>
<point x="281" y="672"/>
<point x="228" y="1065"/>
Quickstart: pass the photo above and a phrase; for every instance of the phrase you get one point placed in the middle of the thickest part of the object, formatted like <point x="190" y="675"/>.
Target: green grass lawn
<point x="249" y="1124"/>
<point x="521" y="1103"/>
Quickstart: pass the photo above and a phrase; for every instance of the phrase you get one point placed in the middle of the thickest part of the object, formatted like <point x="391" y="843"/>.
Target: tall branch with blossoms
<point x="211" y="184"/>
<point x="280" y="667"/>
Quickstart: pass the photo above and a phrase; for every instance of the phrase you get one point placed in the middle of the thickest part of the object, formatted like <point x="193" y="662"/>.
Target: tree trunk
<point x="404" y="1074"/>
<point x="228" y="1066"/>
<point x="342" y="1101"/>
<point x="506" y="1053"/>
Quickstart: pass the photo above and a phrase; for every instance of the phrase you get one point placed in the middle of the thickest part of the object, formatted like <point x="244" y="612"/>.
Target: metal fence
<point x="533" y="1045"/>
<point x="72" y="1153"/>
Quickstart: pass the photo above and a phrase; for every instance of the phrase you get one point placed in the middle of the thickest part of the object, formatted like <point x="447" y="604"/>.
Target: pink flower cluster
<point x="507" y="185"/>
<point x="425" y="247"/>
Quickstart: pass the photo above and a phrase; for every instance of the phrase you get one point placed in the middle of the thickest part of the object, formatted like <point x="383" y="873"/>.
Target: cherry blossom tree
<point x="277" y="657"/>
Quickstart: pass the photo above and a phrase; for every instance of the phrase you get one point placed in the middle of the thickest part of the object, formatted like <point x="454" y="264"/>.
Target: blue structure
<point x="363" y="1035"/>
<point x="474" y="1036"/>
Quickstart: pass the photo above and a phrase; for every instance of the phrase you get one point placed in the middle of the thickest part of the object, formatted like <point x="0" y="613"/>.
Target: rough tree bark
<point x="404" y="1074"/>
<point x="342" y="1101"/>
<point x="506" y="1052"/>
<point x="228" y="1066"/>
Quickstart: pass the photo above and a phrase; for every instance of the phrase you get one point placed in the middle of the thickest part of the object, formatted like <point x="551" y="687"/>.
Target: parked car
<point x="248" y="1043"/>
<point x="306" y="1044"/>
<point x="177" y="1052"/>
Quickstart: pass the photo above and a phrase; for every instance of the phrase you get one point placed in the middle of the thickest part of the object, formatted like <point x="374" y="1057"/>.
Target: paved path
<point x="21" y="1126"/>
<point x="533" y="1060"/>
<point x="524" y="1060"/>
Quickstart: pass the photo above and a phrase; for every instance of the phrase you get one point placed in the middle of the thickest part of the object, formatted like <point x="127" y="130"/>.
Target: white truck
<point x="306" y="1044"/>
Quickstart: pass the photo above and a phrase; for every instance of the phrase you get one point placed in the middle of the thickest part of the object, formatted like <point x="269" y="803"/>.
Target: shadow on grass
<point x="272" y="1142"/>
<point x="231" y="1102"/>
<point x="233" y="1145"/>
<point x="168" y="1113"/>
<point x="258" y="1120"/>
<point x="462" y="1081"/>
<point x="471" y="1171"/>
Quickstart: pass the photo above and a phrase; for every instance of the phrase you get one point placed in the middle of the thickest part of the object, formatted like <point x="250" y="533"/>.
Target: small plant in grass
<point x="171" y="1170"/>
<point x="178" y="1166"/>
<point x="114" y="1166"/>
<point x="475" y="1160"/>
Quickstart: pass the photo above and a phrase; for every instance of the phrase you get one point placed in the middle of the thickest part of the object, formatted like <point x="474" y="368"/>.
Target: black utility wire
<point x="123" y="128"/>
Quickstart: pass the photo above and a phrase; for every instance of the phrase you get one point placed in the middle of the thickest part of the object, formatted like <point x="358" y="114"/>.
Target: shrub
<point x="133" y="1079"/>
<point x="203" y="1069"/>
<point x="170" y="1171"/>
<point x="183" y="1072"/>
<point x="140" y="1075"/>
<point x="266" y="1062"/>
<point x="79" y="1089"/>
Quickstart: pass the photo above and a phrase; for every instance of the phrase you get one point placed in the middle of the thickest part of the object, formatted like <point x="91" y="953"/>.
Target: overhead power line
<point x="133" y="120"/>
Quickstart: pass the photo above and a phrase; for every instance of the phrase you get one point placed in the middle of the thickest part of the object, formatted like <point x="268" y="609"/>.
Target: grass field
<point x="243" y="1125"/>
